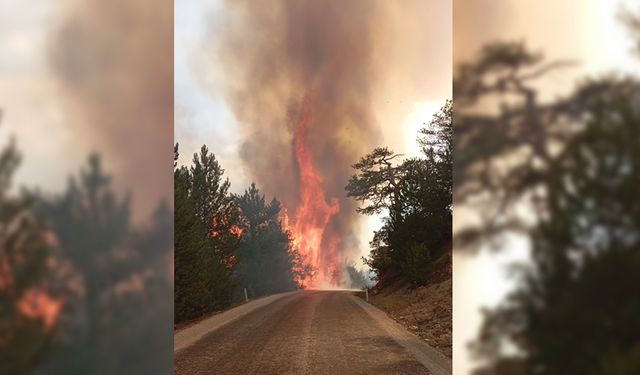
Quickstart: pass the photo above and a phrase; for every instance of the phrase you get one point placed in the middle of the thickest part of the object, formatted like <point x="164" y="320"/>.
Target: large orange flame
<point x="317" y="246"/>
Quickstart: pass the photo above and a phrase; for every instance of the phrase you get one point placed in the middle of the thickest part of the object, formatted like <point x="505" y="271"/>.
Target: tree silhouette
<point x="205" y="242"/>
<point x="116" y="277"/>
<point x="416" y="193"/>
<point x="268" y="260"/>
<point x="575" y="161"/>
<point x="25" y="334"/>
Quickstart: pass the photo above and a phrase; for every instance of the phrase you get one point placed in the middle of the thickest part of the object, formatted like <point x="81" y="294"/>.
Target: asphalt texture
<point x="310" y="332"/>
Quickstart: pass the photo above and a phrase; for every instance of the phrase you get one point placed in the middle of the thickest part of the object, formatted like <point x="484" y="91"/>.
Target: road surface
<point x="309" y="332"/>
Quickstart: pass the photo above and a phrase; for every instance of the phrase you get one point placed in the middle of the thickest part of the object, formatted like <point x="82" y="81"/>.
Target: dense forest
<point x="415" y="194"/>
<point x="75" y="272"/>
<point x="226" y="242"/>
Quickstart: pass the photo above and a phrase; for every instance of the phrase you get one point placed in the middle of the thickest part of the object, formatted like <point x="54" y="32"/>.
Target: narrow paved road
<point x="311" y="332"/>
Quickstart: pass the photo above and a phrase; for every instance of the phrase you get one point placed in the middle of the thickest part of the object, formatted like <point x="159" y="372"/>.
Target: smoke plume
<point x="114" y="64"/>
<point x="300" y="77"/>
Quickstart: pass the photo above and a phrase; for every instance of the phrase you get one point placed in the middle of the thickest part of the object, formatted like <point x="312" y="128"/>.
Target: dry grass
<point x="425" y="311"/>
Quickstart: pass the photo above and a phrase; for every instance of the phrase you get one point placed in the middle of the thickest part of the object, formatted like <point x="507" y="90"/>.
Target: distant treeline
<point x="416" y="196"/>
<point x="226" y="242"/>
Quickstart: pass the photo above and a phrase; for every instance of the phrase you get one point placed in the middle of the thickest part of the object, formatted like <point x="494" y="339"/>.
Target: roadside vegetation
<point x="411" y="254"/>
<point x="415" y="195"/>
<point x="225" y="242"/>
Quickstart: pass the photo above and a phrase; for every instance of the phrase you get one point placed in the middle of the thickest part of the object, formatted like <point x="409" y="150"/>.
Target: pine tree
<point x="416" y="195"/>
<point x="573" y="311"/>
<point x="107" y="256"/>
<point x="24" y="336"/>
<point x="268" y="261"/>
<point x="207" y="235"/>
<point x="215" y="208"/>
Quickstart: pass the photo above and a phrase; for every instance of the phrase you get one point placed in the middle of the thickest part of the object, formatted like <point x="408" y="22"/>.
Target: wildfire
<point x="37" y="304"/>
<point x="233" y="233"/>
<point x="317" y="246"/>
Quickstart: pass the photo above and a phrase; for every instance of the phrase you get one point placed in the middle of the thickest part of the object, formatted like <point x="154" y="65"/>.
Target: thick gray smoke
<point x="275" y="55"/>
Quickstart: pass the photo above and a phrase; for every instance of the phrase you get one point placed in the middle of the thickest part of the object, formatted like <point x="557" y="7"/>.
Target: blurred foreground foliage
<point x="82" y="289"/>
<point x="574" y="163"/>
<point x="25" y="338"/>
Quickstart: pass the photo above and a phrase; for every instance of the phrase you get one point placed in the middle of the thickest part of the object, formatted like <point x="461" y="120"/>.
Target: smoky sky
<point x="274" y="55"/>
<point x="113" y="61"/>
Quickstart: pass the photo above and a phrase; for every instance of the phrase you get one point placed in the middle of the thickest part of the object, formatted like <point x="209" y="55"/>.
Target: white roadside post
<point x="246" y="298"/>
<point x="366" y="292"/>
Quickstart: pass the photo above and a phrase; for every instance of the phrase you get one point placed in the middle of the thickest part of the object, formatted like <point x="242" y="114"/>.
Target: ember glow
<point x="318" y="246"/>
<point x="39" y="305"/>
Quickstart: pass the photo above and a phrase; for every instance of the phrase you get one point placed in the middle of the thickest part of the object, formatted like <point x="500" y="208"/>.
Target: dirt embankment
<point x="426" y="310"/>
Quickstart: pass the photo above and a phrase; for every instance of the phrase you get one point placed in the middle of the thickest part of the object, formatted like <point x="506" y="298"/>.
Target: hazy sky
<point x="201" y="116"/>
<point x="78" y="77"/>
<point x="32" y="113"/>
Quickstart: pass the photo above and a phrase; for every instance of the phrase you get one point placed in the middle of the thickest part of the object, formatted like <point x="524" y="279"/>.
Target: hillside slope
<point x="426" y="310"/>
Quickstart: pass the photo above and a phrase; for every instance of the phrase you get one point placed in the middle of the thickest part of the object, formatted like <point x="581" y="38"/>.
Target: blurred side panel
<point x="86" y="187"/>
<point x="546" y="170"/>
